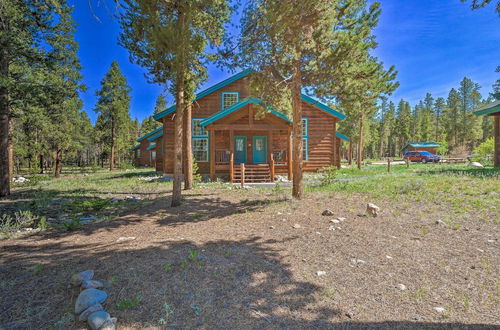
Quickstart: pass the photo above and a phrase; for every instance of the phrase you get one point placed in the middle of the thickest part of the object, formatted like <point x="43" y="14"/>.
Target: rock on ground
<point x="109" y="324"/>
<point x="97" y="319"/>
<point x="92" y="309"/>
<point x="372" y="209"/>
<point x="89" y="284"/>
<point x="476" y="164"/>
<point x="89" y="297"/>
<point x="439" y="309"/>
<point x="327" y="213"/>
<point x="77" y="279"/>
<point x="296" y="226"/>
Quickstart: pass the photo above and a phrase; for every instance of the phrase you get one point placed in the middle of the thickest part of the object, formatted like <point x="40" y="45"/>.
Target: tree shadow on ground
<point x="223" y="284"/>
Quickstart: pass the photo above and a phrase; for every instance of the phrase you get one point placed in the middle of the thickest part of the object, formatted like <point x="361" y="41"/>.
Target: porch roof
<point x="145" y="136"/>
<point x="135" y="147"/>
<point x="151" y="146"/>
<point x="157" y="135"/>
<point x="236" y="107"/>
<point x="341" y="136"/>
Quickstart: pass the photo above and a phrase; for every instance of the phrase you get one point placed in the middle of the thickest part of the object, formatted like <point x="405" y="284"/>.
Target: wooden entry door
<point x="240" y="149"/>
<point x="259" y="148"/>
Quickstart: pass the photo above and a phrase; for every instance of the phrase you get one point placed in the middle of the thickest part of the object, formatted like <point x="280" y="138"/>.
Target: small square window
<point x="229" y="99"/>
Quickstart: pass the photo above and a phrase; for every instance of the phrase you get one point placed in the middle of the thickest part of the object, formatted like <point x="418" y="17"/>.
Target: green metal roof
<point x="422" y="145"/>
<point x="237" y="106"/>
<point x="149" y="134"/>
<point x="238" y="76"/>
<point x="323" y="107"/>
<point x="135" y="148"/>
<point x="341" y="136"/>
<point x="154" y="137"/>
<point x="207" y="91"/>
<point x="489" y="108"/>
<point x="151" y="146"/>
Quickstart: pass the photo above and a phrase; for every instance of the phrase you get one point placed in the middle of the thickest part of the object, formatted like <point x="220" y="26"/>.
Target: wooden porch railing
<point x="222" y="157"/>
<point x="242" y="167"/>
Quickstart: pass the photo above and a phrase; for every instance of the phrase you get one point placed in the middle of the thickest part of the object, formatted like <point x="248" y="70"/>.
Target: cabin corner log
<point x="242" y="168"/>
<point x="231" y="166"/>
<point x="272" y="168"/>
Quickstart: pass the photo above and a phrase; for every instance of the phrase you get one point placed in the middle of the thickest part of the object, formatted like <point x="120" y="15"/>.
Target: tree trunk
<point x="58" y="165"/>
<point x="40" y="157"/>
<point x="349" y="152"/>
<point x="360" y="143"/>
<point x="177" y="184"/>
<point x="297" y="154"/>
<point x="188" y="149"/>
<point x="112" y="153"/>
<point x="4" y="128"/>
<point x="11" y="148"/>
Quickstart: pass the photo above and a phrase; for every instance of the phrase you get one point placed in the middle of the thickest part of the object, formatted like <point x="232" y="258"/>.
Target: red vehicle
<point x="421" y="156"/>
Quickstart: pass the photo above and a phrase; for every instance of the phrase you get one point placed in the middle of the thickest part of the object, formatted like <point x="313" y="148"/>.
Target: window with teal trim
<point x="305" y="138"/>
<point x="199" y="141"/>
<point x="229" y="99"/>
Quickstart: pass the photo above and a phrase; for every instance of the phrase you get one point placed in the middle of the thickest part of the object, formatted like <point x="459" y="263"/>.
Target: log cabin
<point x="144" y="153"/>
<point x="233" y="138"/>
<point x="493" y="110"/>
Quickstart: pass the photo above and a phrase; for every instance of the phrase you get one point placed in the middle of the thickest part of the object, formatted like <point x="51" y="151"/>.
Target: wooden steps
<point x="254" y="173"/>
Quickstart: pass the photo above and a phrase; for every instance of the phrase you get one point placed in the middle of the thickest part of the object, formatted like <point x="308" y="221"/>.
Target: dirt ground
<point x="237" y="259"/>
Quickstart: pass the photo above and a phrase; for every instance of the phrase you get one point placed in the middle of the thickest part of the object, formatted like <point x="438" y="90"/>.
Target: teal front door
<point x="259" y="149"/>
<point x="240" y="149"/>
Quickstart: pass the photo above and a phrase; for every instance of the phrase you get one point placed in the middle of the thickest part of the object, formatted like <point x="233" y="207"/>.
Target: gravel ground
<point x="251" y="259"/>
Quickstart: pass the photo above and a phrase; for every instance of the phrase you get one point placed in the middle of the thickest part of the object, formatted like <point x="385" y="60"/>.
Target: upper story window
<point x="198" y="130"/>
<point x="229" y="99"/>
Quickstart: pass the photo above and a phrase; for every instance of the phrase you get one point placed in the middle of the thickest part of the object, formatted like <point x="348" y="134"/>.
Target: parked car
<point x="421" y="156"/>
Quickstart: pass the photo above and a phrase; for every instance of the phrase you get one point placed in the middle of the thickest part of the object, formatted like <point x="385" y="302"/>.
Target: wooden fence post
<point x="388" y="164"/>
<point x="407" y="163"/>
<point x="231" y="167"/>
<point x="272" y="168"/>
<point x="242" y="167"/>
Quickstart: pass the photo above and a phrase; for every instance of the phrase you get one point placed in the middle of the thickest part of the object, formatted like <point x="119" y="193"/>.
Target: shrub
<point x="485" y="150"/>
<point x="127" y="166"/>
<point x="17" y="221"/>
<point x="196" y="172"/>
<point x="71" y="225"/>
<point x="328" y="176"/>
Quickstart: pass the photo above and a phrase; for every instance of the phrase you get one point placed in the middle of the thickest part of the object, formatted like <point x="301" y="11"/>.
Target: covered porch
<point x="248" y="144"/>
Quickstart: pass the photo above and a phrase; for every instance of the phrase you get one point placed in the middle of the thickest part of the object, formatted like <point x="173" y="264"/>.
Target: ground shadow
<point x="223" y="284"/>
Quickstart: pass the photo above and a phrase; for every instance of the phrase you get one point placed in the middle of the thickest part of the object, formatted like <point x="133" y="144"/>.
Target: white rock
<point x="491" y="241"/>
<point x="401" y="287"/>
<point x="296" y="226"/>
<point x="334" y="221"/>
<point x="480" y="250"/>
<point x="357" y="262"/>
<point x="440" y="222"/>
<point x="475" y="164"/>
<point x="77" y="279"/>
<point x="320" y="273"/>
<point x="341" y="219"/>
<point x="388" y="257"/>
<point x="439" y="309"/>
<point x="372" y="209"/>
<point x="124" y="239"/>
<point x="332" y="228"/>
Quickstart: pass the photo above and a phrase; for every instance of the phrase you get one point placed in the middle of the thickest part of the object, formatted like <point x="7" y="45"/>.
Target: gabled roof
<point x="323" y="107"/>
<point x="154" y="137"/>
<point x="238" y="76"/>
<point x="341" y="136"/>
<point x="236" y="107"/>
<point x="149" y="134"/>
<point x="422" y="145"/>
<point x="207" y="91"/>
<point x="135" y="148"/>
<point x="488" y="109"/>
<point x="151" y="146"/>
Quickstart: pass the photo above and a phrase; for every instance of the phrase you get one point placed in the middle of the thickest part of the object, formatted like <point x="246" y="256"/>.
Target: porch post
<point x="269" y="145"/>
<point x="231" y="155"/>
<point x="496" y="124"/>
<point x="289" y="156"/>
<point x="334" y="148"/>
<point x="212" y="154"/>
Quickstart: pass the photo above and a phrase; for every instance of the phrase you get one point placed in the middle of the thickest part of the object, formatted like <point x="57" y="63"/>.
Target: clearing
<point x="252" y="258"/>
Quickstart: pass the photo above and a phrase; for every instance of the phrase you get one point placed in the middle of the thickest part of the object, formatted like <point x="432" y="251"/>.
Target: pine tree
<point x="439" y="106"/>
<point x="404" y="120"/>
<point x="451" y="117"/>
<point x="113" y="108"/>
<point x="63" y="102"/>
<point x="470" y="98"/>
<point x="149" y="124"/>
<point x="170" y="39"/>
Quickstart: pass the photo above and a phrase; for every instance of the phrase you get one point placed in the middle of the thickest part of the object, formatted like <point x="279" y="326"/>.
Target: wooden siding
<point x="321" y="127"/>
<point x="145" y="157"/>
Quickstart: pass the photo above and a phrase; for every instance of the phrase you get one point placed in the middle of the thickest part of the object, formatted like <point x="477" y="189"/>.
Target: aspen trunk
<point x="40" y="158"/>
<point x="349" y="153"/>
<point x="4" y="128"/>
<point x="188" y="149"/>
<point x="297" y="155"/>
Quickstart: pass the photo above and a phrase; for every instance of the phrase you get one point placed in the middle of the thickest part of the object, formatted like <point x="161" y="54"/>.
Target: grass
<point x="129" y="303"/>
<point x="455" y="186"/>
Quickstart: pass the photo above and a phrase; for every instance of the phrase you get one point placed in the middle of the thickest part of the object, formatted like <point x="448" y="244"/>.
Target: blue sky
<point x="432" y="43"/>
